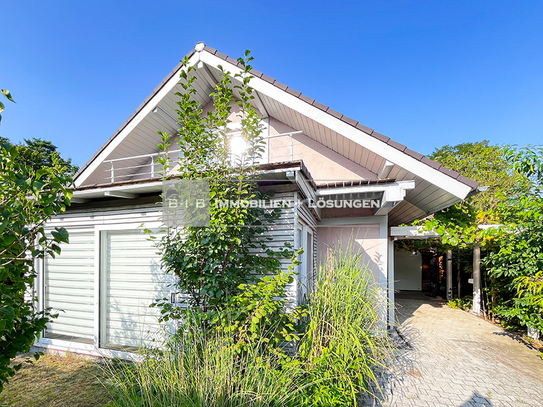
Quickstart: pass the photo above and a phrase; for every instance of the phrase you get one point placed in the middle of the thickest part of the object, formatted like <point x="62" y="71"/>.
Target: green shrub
<point x="461" y="303"/>
<point x="29" y="198"/>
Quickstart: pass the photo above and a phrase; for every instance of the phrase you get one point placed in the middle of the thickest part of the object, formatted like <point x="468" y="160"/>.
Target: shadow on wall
<point x="362" y="240"/>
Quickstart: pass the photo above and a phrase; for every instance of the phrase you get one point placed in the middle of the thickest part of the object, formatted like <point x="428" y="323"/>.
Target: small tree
<point x="28" y="198"/>
<point x="211" y="262"/>
<point x="486" y="164"/>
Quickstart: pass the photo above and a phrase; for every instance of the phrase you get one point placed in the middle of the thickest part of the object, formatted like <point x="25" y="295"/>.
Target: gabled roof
<point x="437" y="186"/>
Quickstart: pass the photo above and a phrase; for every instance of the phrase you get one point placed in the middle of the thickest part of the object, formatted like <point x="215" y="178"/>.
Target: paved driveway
<point x="452" y="358"/>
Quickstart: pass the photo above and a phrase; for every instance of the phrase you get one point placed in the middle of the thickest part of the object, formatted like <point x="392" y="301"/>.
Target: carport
<point x="408" y="266"/>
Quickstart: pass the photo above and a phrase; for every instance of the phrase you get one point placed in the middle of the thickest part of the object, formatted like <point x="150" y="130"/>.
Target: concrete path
<point x="451" y="358"/>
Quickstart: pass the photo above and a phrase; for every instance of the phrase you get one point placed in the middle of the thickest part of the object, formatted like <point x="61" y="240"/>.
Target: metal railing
<point x="146" y="165"/>
<point x="151" y="164"/>
<point x="290" y="144"/>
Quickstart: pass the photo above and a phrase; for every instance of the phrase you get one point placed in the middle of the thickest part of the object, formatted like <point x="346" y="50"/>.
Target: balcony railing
<point x="279" y="148"/>
<point x="120" y="168"/>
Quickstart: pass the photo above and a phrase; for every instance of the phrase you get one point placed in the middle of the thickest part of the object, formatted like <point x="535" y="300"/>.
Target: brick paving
<point x="451" y="358"/>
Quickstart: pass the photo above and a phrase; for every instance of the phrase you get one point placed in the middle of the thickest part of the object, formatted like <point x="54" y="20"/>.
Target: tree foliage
<point x="212" y="262"/>
<point x="489" y="165"/>
<point x="8" y="96"/>
<point x="513" y="252"/>
<point x="486" y="164"/>
<point x="38" y="153"/>
<point x="516" y="260"/>
<point x="29" y="197"/>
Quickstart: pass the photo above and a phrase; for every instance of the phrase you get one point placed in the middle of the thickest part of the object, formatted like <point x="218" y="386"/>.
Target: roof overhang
<point x="330" y="119"/>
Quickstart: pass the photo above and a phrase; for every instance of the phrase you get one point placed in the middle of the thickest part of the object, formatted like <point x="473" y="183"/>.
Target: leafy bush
<point x="259" y="313"/>
<point x="29" y="197"/>
<point x="461" y="303"/>
<point x="517" y="260"/>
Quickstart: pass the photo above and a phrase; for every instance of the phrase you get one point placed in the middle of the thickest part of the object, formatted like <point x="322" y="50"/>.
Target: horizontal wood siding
<point x="69" y="288"/>
<point x="279" y="232"/>
<point x="88" y="219"/>
<point x="131" y="277"/>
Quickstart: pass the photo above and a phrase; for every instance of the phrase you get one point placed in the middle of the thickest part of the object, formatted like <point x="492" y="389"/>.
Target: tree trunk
<point x="477" y="278"/>
<point x="449" y="275"/>
<point x="459" y="275"/>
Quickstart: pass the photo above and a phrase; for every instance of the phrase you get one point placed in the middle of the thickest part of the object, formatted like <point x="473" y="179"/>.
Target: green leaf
<point x="7" y="94"/>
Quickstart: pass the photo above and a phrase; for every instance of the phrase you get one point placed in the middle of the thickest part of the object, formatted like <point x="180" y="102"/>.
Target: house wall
<point x="368" y="237"/>
<point x="282" y="232"/>
<point x="103" y="282"/>
<point x="407" y="270"/>
<point x="324" y="164"/>
<point x="106" y="278"/>
<point x="363" y="240"/>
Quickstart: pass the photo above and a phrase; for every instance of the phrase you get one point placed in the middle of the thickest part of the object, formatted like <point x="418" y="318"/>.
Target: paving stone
<point x="454" y="359"/>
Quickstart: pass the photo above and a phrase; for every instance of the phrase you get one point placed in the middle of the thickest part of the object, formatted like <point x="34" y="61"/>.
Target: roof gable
<point x="341" y="134"/>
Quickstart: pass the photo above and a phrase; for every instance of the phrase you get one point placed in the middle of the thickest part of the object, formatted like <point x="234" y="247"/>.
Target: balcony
<point x="278" y="148"/>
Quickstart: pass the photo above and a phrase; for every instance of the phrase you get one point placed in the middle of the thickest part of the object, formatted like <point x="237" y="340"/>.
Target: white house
<point x="107" y="276"/>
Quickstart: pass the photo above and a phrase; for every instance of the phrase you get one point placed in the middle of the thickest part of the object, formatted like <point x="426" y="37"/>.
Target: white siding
<point x="69" y="288"/>
<point x="130" y="276"/>
<point x="281" y="232"/>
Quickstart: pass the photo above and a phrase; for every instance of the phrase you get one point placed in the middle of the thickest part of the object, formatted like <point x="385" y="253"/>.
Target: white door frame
<point x="306" y="261"/>
<point x="100" y="265"/>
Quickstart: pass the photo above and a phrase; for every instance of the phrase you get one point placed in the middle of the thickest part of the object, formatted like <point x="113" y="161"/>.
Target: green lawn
<point x="58" y="381"/>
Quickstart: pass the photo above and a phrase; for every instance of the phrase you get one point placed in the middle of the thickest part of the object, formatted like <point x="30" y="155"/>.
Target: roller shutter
<point x="132" y="281"/>
<point x="69" y="289"/>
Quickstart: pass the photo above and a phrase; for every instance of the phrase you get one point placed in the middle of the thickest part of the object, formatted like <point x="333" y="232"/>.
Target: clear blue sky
<point x="425" y="73"/>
